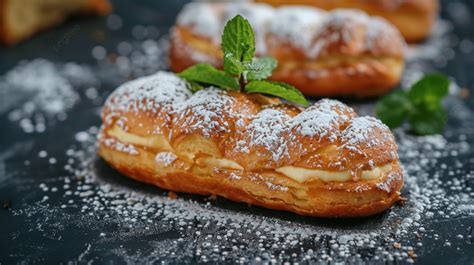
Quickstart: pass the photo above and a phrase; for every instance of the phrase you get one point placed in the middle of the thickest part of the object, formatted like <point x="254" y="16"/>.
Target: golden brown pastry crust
<point x="233" y="145"/>
<point x="10" y="34"/>
<point x="414" y="18"/>
<point x="349" y="54"/>
<point x="320" y="199"/>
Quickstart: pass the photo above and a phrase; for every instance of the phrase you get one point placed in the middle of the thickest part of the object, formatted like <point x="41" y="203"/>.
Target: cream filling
<point x="155" y="141"/>
<point x="219" y="163"/>
<point x="159" y="142"/>
<point x="304" y="174"/>
<point x="296" y="173"/>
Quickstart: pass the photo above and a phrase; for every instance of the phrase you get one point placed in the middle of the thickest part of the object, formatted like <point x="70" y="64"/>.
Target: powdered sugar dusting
<point x="267" y="130"/>
<point x="304" y="27"/>
<point x="321" y="119"/>
<point x="119" y="146"/>
<point x="361" y="131"/>
<point x="199" y="16"/>
<point x="210" y="112"/>
<point x="298" y="24"/>
<point x="39" y="92"/>
<point x="166" y="158"/>
<point x="115" y="212"/>
<point x="149" y="93"/>
<point x="206" y="111"/>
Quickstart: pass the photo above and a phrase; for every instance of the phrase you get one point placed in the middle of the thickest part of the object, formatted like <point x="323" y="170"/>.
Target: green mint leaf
<point x="232" y="66"/>
<point x="194" y="87"/>
<point x="278" y="89"/>
<point x="429" y="91"/>
<point x="238" y="39"/>
<point x="207" y="74"/>
<point x="424" y="121"/>
<point x="260" y="68"/>
<point x="393" y="109"/>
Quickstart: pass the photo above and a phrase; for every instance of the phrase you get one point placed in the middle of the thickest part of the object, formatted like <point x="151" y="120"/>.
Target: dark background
<point x="91" y="32"/>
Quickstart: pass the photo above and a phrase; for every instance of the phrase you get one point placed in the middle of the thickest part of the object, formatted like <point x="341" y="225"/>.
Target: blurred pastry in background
<point x="343" y="52"/>
<point x="414" y="18"/>
<point x="21" y="19"/>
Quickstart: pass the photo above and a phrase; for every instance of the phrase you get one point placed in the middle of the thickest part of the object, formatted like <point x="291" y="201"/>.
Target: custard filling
<point x="219" y="163"/>
<point x="155" y="141"/>
<point x="304" y="174"/>
<point x="298" y="174"/>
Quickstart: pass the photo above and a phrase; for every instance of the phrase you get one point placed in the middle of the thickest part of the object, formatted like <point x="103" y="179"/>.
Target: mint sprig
<point x="276" y="89"/>
<point x="238" y="39"/>
<point x="205" y="73"/>
<point x="260" y="68"/>
<point x="421" y="105"/>
<point x="242" y="71"/>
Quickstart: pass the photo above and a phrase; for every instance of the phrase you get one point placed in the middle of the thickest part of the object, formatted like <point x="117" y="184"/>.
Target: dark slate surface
<point x="73" y="41"/>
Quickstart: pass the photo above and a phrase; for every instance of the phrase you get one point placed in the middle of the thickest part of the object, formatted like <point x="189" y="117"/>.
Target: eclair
<point x="343" y="52"/>
<point x="414" y="18"/>
<point x="21" y="19"/>
<point x="323" y="161"/>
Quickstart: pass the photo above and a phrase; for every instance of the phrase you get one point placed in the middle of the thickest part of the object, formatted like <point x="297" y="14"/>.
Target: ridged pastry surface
<point x="248" y="148"/>
<point x="342" y="52"/>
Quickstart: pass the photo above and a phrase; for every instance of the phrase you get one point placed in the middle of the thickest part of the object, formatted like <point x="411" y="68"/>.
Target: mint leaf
<point x="278" y="89"/>
<point x="238" y="39"/>
<point x="207" y="74"/>
<point x="424" y="121"/>
<point x="194" y="87"/>
<point x="238" y="46"/>
<point x="232" y="66"/>
<point x="429" y="91"/>
<point x="260" y="68"/>
<point x="393" y="108"/>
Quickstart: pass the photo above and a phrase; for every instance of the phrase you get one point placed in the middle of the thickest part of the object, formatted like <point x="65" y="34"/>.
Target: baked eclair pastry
<point x="339" y="53"/>
<point x="414" y="18"/>
<point x="20" y="19"/>
<point x="323" y="161"/>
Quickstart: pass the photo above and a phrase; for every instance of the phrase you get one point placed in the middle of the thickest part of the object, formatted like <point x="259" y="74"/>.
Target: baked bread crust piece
<point x="337" y="53"/>
<point x="20" y="19"/>
<point x="321" y="161"/>
<point x="414" y="18"/>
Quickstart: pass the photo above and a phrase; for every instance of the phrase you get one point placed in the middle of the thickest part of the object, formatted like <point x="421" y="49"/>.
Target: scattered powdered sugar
<point x="438" y="45"/>
<point x="37" y="92"/>
<point x="166" y="158"/>
<point x="234" y="176"/>
<point x="135" y="58"/>
<point x="206" y="232"/>
<point x="115" y="213"/>
<point x="429" y="55"/>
